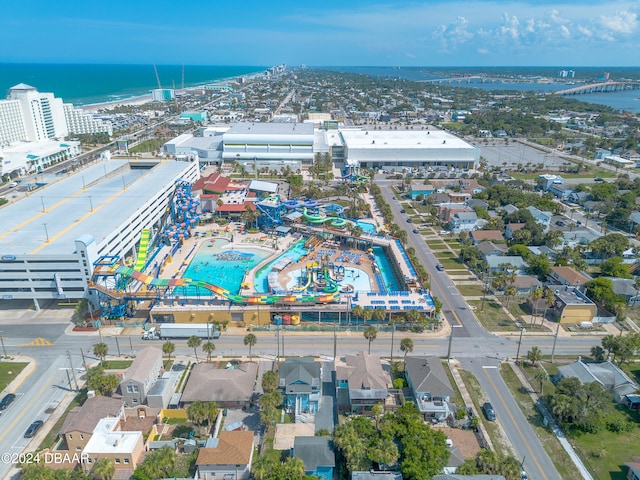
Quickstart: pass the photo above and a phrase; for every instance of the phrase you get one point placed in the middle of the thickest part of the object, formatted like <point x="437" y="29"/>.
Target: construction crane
<point x="157" y="76"/>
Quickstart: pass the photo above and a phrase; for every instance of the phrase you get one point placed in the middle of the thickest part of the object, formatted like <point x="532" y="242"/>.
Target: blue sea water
<point x="83" y="84"/>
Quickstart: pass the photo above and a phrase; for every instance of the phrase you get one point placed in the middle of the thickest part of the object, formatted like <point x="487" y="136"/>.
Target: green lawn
<point x="470" y="290"/>
<point x="450" y="263"/>
<point x="492" y="317"/>
<point x="560" y="459"/>
<point x="9" y="371"/>
<point x="457" y="397"/>
<point x="434" y="244"/>
<point x="446" y="254"/>
<point x="116" y="364"/>
<point x="148" y="146"/>
<point x="604" y="452"/>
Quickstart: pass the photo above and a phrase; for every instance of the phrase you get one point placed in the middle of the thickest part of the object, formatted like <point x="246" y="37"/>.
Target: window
<point x="82" y="436"/>
<point x="78" y="449"/>
<point x="126" y="460"/>
<point x="117" y="460"/>
<point x="70" y="436"/>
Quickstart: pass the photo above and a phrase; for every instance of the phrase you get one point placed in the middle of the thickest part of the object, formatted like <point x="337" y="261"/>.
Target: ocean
<point x="85" y="84"/>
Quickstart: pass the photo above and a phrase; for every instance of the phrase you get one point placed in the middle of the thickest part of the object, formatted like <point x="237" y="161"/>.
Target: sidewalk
<point x="554" y="426"/>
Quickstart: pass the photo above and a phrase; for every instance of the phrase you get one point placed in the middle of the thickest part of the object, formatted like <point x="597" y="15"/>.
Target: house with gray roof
<point x="140" y="376"/>
<point x="300" y="384"/>
<point x="317" y="454"/>
<point x="230" y="387"/>
<point x="468" y="477"/>
<point x="580" y="236"/>
<point x="541" y="218"/>
<point x="430" y="386"/>
<point x="508" y="209"/>
<point x="463" y="221"/>
<point x="376" y="475"/>
<point x="608" y="374"/>
<point x="514" y="263"/>
<point x="625" y="287"/>
<point x="488" y="248"/>
<point x="361" y="383"/>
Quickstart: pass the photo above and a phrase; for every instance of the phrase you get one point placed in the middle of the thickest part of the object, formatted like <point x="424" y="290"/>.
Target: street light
<point x="522" y="330"/>
<point x="4" y="350"/>
<point x="46" y="232"/>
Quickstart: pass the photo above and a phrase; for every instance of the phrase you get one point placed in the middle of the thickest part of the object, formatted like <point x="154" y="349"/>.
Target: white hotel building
<point x="52" y="238"/>
<point x="32" y="125"/>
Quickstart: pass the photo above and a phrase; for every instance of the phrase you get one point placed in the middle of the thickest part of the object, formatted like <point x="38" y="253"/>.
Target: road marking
<point x="489" y="366"/>
<point x="38" y="342"/>
<point x="515" y="424"/>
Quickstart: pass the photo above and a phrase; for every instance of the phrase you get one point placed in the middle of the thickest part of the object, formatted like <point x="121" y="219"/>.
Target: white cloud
<point x="624" y="22"/>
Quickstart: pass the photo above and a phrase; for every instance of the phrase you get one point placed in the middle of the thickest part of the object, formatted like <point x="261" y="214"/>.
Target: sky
<point x="323" y="33"/>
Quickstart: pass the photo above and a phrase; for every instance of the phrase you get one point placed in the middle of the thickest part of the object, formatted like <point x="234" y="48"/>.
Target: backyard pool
<point x="223" y="264"/>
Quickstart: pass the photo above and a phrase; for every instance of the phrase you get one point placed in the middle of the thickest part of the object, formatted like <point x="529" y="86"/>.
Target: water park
<point x="287" y="261"/>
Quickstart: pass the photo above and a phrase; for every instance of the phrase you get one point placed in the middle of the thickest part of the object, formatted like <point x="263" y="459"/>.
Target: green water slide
<point x="332" y="286"/>
<point x="142" y="250"/>
<point x="317" y="218"/>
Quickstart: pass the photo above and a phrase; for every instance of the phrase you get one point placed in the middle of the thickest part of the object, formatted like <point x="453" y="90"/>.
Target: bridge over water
<point x="602" y="87"/>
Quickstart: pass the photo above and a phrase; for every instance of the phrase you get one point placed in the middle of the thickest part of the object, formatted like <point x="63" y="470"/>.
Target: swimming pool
<point x="293" y="254"/>
<point x="222" y="264"/>
<point x="391" y="282"/>
<point x="366" y="227"/>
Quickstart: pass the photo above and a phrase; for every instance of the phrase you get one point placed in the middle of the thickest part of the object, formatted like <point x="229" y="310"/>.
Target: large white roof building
<point x="407" y="148"/>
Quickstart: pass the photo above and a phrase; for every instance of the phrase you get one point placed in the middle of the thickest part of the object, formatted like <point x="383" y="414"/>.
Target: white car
<point x="444" y="232"/>
<point x="13" y="184"/>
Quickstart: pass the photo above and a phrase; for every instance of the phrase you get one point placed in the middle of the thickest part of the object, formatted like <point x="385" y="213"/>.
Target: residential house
<point x="418" y="187"/>
<point x="509" y="209"/>
<point x="317" y="455"/>
<point x="541" y="218"/>
<point x="300" y="384"/>
<point x="361" y="384"/>
<point x="510" y="228"/>
<point x="513" y="263"/>
<point x="634" y="469"/>
<point x="561" y="191"/>
<point x="140" y="376"/>
<point x="490" y="249"/>
<point x="607" y="374"/>
<point x="567" y="276"/>
<point x="459" y="197"/>
<point x="470" y="186"/>
<point x="376" y="475"/>
<point x="475" y="202"/>
<point x="543" y="250"/>
<point x="430" y="387"/>
<point x="546" y="181"/>
<point x="571" y="305"/>
<point x="229" y="387"/>
<point x="578" y="197"/>
<point x="602" y="153"/>
<point x="124" y="449"/>
<point x="478" y="476"/>
<point x="447" y="211"/>
<point x="463" y="221"/>
<point x="438" y="199"/>
<point x="582" y="236"/>
<point x="478" y="236"/>
<point x="634" y="219"/>
<point x="625" y="287"/>
<point x="228" y="456"/>
<point x="81" y="421"/>
<point x="525" y="284"/>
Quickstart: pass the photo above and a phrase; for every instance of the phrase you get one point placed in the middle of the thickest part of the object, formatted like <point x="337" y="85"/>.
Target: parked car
<point x="444" y="232"/>
<point x="488" y="411"/>
<point x="13" y="184"/>
<point x="33" y="429"/>
<point x="440" y="267"/>
<point x="409" y="220"/>
<point x="403" y="210"/>
<point x="415" y="230"/>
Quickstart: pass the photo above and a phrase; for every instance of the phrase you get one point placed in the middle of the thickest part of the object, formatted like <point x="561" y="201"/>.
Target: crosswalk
<point x="38" y="342"/>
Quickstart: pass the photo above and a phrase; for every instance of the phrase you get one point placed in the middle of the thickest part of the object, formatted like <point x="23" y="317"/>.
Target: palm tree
<point x="370" y="333"/>
<point x="540" y="376"/>
<point x="534" y="355"/>
<point x="103" y="469"/>
<point x="168" y="348"/>
<point x="406" y="345"/>
<point x="549" y="300"/>
<point x="250" y="340"/>
<point x="208" y="348"/>
<point x="356" y="311"/>
<point x="100" y="350"/>
<point x="509" y="293"/>
<point x="194" y="342"/>
<point x="535" y="295"/>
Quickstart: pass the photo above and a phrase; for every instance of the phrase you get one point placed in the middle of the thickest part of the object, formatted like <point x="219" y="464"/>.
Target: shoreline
<point x="147" y="98"/>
